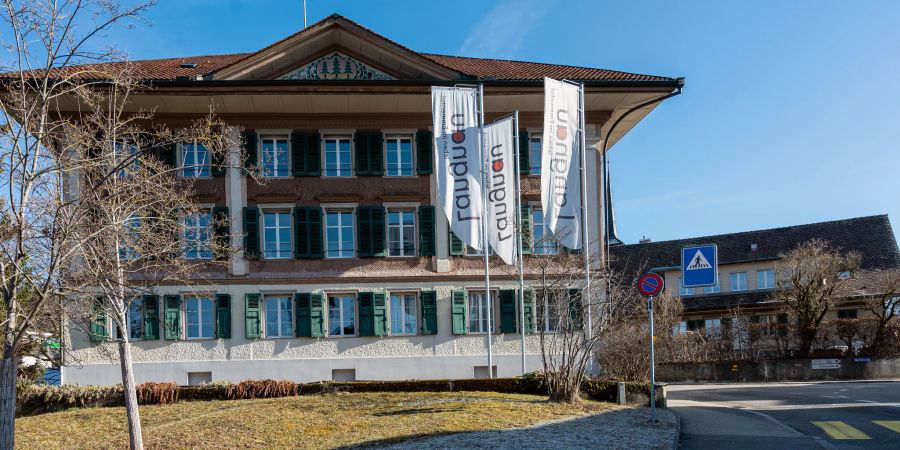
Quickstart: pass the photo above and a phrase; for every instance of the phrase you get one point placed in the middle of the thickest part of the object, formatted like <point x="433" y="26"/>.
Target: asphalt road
<point x="831" y="415"/>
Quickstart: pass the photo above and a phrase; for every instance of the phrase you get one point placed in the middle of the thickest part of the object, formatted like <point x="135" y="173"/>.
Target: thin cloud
<point x="503" y="30"/>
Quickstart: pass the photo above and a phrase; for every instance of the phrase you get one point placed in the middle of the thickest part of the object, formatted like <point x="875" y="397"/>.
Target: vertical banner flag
<point x="458" y="160"/>
<point x="560" y="174"/>
<point x="500" y="146"/>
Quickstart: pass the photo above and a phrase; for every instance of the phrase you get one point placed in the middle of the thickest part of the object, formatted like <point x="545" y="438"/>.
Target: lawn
<point x="309" y="421"/>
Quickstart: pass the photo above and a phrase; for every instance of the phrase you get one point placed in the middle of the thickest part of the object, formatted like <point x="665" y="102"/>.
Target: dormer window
<point x="187" y="65"/>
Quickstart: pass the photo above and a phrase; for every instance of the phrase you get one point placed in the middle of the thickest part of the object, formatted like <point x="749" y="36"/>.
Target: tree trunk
<point x="7" y="402"/>
<point x="135" y="435"/>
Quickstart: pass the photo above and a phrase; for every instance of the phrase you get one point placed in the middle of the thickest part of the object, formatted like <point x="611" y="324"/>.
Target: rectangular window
<point x="684" y="290"/>
<point x="196" y="235"/>
<point x="478" y="312"/>
<point x="194" y="160"/>
<point x="339" y="234"/>
<point x="679" y="328"/>
<point x="134" y="320"/>
<point x="277" y="234"/>
<point x="338" y="157"/>
<point x="403" y="314"/>
<point x="200" y="315"/>
<point x="127" y="155"/>
<point x="131" y="228"/>
<point x="846" y="314"/>
<point x="713" y="327"/>
<point x="534" y="154"/>
<point x="341" y="315"/>
<point x="399" y="156"/>
<point x="275" y="162"/>
<point x="548" y="313"/>
<point x="544" y="242"/>
<point x="714" y="289"/>
<point x="737" y="281"/>
<point x="401" y="233"/>
<point x="766" y="325"/>
<point x="279" y="316"/>
<point x="765" y="279"/>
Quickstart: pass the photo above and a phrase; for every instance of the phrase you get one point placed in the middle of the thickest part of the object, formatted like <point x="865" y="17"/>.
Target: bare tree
<point x="809" y="284"/>
<point x="882" y="299"/>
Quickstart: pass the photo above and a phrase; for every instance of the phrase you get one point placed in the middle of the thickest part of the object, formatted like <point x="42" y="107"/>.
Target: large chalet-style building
<point x="347" y="269"/>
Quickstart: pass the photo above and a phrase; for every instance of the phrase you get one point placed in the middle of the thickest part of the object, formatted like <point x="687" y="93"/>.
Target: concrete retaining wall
<point x="782" y="370"/>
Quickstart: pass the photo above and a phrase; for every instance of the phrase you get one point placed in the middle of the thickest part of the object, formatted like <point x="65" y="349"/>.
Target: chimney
<point x="645" y="240"/>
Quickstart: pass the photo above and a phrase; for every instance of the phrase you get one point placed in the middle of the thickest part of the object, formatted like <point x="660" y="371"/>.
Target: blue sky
<point x="790" y="114"/>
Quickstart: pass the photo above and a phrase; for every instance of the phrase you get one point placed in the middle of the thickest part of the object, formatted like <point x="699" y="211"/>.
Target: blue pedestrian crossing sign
<point x="700" y="266"/>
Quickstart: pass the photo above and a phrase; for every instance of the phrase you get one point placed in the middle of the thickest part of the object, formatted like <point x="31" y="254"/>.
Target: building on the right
<point x="747" y="264"/>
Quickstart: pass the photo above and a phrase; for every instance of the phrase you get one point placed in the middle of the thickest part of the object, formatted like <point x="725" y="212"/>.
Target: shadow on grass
<point x="406" y="412"/>
<point x="612" y="428"/>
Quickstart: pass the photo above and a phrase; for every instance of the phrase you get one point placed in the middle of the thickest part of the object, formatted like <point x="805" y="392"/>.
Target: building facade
<point x="347" y="270"/>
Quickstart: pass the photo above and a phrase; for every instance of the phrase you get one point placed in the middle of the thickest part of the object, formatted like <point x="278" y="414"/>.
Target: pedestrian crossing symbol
<point x="698" y="262"/>
<point x="699" y="266"/>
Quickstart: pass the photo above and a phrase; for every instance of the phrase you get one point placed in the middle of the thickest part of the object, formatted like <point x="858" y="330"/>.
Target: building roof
<point x="871" y="236"/>
<point x="170" y="69"/>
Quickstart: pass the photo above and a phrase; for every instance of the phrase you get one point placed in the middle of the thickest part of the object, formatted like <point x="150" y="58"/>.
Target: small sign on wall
<point x="821" y="364"/>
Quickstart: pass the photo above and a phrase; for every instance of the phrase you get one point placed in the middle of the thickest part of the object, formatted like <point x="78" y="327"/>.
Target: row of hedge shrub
<point x="37" y="399"/>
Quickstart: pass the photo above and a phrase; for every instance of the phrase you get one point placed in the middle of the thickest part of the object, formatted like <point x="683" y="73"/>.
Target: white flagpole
<point x="485" y="247"/>
<point x="519" y="256"/>
<point x="585" y="244"/>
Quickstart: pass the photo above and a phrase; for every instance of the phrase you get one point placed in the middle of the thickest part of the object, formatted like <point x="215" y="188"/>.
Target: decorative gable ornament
<point x="335" y="66"/>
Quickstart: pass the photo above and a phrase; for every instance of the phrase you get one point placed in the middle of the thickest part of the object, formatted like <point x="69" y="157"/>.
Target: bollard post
<point x="623" y="400"/>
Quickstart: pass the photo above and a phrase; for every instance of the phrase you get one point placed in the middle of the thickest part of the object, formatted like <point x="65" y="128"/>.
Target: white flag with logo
<point x="499" y="145"/>
<point x="458" y="160"/>
<point x="560" y="183"/>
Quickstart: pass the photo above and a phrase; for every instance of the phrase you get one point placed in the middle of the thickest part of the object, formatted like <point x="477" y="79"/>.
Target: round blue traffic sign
<point x="650" y="284"/>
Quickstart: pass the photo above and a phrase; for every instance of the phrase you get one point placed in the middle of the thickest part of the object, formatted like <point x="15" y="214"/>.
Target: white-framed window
<point x="713" y="327"/>
<point x="195" y="161"/>
<point x="737" y="281"/>
<point x="134" y="321"/>
<point x="404" y="314"/>
<point x="132" y="228"/>
<point x="398" y="155"/>
<point x="544" y="242"/>
<point x="277" y="234"/>
<point x="714" y="289"/>
<point x="339" y="233"/>
<point x="766" y="324"/>
<point x="470" y="251"/>
<point x="197" y="235"/>
<point x="341" y="315"/>
<point x="275" y="156"/>
<point x="684" y="290"/>
<point x="338" y="156"/>
<point x="679" y="328"/>
<point x="765" y="279"/>
<point x="534" y="153"/>
<point x="279" y="316"/>
<point x="401" y="232"/>
<point x="200" y="317"/>
<point x="478" y="312"/>
<point x="548" y="311"/>
<point x="126" y="154"/>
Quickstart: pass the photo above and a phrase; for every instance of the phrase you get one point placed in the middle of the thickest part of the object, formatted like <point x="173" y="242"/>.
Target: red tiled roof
<point x="504" y="69"/>
<point x="154" y="69"/>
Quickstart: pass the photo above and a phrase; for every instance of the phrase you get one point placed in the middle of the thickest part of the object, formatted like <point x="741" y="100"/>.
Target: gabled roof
<point x="871" y="236"/>
<point x="463" y="68"/>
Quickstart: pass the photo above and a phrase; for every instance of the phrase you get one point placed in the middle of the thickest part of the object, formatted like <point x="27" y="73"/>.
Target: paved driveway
<point x="788" y="415"/>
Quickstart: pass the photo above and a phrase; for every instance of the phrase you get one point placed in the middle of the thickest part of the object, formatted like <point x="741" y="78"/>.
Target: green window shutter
<point x="151" y="317"/>
<point x="168" y="155"/>
<point x="221" y="232"/>
<point x="524" y="153"/>
<point x="252" y="317"/>
<point x="426" y="231"/>
<point x="424" y="152"/>
<point x="529" y="311"/>
<point x="379" y="305"/>
<point x="298" y="148"/>
<point x="172" y="316"/>
<point x="316" y="237"/>
<point x="361" y="142"/>
<point x="317" y="315"/>
<point x="379" y="245"/>
<point x="456" y="244"/>
<point x="458" y="311"/>
<point x="527" y="230"/>
<point x="250" y="152"/>
<point x="376" y="154"/>
<point x="302" y="305"/>
<point x="575" y="305"/>
<point x="508" y="311"/>
<point x="301" y="232"/>
<point x="251" y="232"/>
<point x="99" y="331"/>
<point x="313" y="153"/>
<point x="366" y="314"/>
<point x="429" y="312"/>
<point x="223" y="316"/>
<point x="364" y="231"/>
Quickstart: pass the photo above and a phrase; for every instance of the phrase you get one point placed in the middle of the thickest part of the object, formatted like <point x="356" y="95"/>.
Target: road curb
<point x="677" y="430"/>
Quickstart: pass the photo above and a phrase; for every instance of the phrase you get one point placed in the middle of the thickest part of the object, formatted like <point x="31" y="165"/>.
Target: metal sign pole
<point x="652" y="363"/>
<point x="519" y="255"/>
<point x="485" y="246"/>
